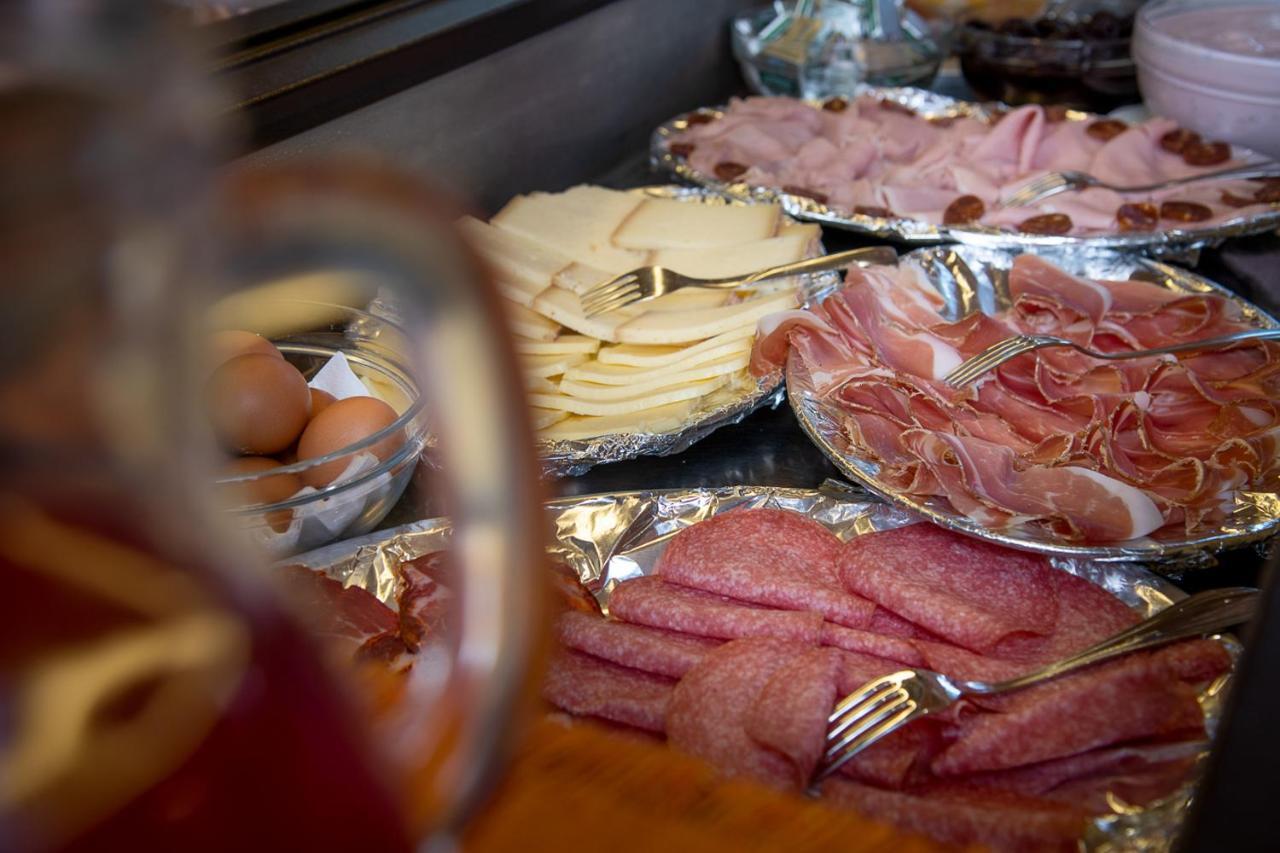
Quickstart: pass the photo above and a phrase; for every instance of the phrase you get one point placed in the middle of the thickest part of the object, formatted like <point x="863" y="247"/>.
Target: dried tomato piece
<point x="835" y="105"/>
<point x="1230" y="199"/>
<point x="1176" y="140"/>
<point x="729" y="170"/>
<point x="1142" y="216"/>
<point x="1206" y="153"/>
<point x="1046" y="223"/>
<point x="895" y="107"/>
<point x="872" y="210"/>
<point x="820" y="198"/>
<point x="681" y="149"/>
<point x="942" y="121"/>
<point x="1270" y="192"/>
<point x="1185" y="211"/>
<point x="1107" y="128"/>
<point x="699" y="118"/>
<point x="967" y="208"/>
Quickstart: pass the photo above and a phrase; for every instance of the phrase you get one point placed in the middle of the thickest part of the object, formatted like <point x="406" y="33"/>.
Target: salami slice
<point x="969" y="592"/>
<point x="765" y="556"/>
<point x="658" y="604"/>
<point x="1087" y="614"/>
<point x="647" y="649"/>
<point x="590" y="687"/>
<point x="964" y="664"/>
<point x="865" y="642"/>
<point x="708" y="711"/>
<point x="790" y="713"/>
<point x="890" y="624"/>
<point x="997" y="820"/>
<point x="1135" y="697"/>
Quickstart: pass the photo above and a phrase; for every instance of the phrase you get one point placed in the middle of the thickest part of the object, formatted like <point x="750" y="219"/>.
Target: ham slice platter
<point x="873" y="164"/>
<point x="1053" y="450"/>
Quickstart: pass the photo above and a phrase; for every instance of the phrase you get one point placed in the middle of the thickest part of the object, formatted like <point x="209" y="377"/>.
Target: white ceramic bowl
<point x="1218" y="93"/>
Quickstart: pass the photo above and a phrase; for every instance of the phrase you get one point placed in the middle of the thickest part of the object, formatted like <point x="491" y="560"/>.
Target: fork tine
<point x="611" y="286"/>
<point x="987" y="360"/>
<point x="865" y="724"/>
<point x="614" y="304"/>
<point x="596" y="301"/>
<point x="867" y="738"/>
<point x="1036" y="189"/>
<point x="859" y="705"/>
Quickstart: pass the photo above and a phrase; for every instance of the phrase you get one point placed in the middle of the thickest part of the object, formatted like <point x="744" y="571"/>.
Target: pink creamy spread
<point x="1249" y="30"/>
<point x="878" y="158"/>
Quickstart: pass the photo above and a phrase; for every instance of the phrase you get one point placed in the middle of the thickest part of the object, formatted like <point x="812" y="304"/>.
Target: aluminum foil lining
<point x="976" y="278"/>
<point x="609" y="538"/>
<point x="727" y="406"/>
<point x="1167" y="243"/>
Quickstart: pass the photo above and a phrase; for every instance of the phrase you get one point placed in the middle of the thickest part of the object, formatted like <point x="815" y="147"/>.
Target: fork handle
<point x="1191" y="346"/>
<point x="1201" y="614"/>
<point x="870" y="255"/>
<point x="1256" y="170"/>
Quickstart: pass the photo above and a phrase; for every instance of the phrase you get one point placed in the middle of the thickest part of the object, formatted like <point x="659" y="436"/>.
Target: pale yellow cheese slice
<point x="660" y="419"/>
<point x="578" y="222"/>
<point x="529" y="324"/>
<point x="657" y="380"/>
<point x="550" y="365"/>
<point x="580" y="277"/>
<point x="677" y="327"/>
<point x="563" y="345"/>
<point x="631" y="404"/>
<point x="540" y="385"/>
<point x="651" y="356"/>
<point x="667" y="223"/>
<point x="726" y="261"/>
<point x="543" y="418"/>
<point x="686" y="300"/>
<point x="523" y="267"/>
<point x="604" y="373"/>
<point x="566" y="309"/>
<point x="811" y="232"/>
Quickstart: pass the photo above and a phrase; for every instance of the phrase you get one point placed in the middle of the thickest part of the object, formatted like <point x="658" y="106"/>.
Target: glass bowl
<point x="1097" y="75"/>
<point x="360" y="498"/>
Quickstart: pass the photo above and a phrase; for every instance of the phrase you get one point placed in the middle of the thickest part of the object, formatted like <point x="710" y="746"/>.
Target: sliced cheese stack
<point x="647" y="367"/>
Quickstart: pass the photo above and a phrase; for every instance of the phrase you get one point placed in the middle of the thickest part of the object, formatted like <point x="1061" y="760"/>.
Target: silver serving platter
<point x="609" y="538"/>
<point x="721" y="408"/>
<point x="974" y="278"/>
<point x="930" y="104"/>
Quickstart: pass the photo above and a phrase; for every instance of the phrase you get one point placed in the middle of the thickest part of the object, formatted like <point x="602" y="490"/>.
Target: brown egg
<point x="264" y="490"/>
<point x="341" y="425"/>
<point x="320" y="400"/>
<point x="258" y="404"/>
<point x="226" y="345"/>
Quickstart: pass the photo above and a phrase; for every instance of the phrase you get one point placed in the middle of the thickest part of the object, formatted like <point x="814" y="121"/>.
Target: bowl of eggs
<point x="322" y="427"/>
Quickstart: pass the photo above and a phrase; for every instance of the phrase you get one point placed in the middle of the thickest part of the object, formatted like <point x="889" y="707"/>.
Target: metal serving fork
<point x="647" y="283"/>
<point x="997" y="354"/>
<point x="890" y="702"/>
<point x="1052" y="183"/>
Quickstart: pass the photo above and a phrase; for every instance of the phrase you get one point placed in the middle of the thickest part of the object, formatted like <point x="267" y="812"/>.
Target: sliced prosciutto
<point x="877" y="159"/>
<point x="1086" y="450"/>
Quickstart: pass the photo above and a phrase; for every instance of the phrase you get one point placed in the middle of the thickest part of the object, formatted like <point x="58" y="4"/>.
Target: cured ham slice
<point x="1085" y="450"/>
<point x="887" y="161"/>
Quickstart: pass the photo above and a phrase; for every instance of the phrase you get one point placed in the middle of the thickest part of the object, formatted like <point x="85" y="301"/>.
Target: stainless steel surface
<point x="998" y="353"/>
<point x="727" y="406"/>
<point x="975" y="278"/>
<point x="608" y="538"/>
<point x="1170" y="242"/>
<point x="1053" y="183"/>
<point x="888" y="703"/>
<point x="645" y="283"/>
